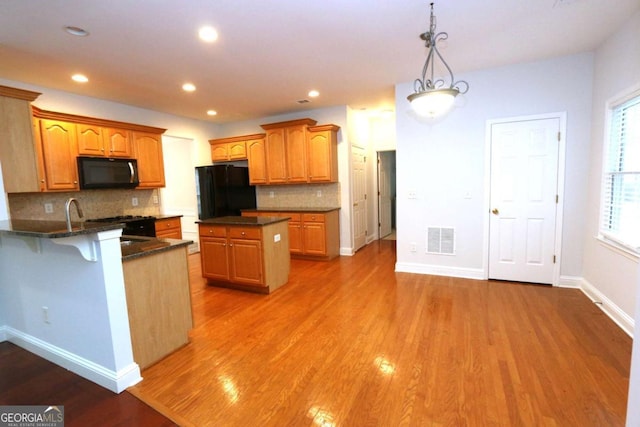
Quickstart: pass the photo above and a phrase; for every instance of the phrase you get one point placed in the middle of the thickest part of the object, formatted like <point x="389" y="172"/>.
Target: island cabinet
<point x="244" y="254"/>
<point x="312" y="234"/>
<point x="168" y="228"/>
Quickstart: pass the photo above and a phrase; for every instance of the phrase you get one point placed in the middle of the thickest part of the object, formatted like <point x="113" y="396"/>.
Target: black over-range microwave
<point x="99" y="172"/>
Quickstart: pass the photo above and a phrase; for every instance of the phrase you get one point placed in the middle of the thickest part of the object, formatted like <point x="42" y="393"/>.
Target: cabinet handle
<point x="243" y="233"/>
<point x="75" y="182"/>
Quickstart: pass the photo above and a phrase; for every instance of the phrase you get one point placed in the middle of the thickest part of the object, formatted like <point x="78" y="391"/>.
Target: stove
<point x="134" y="225"/>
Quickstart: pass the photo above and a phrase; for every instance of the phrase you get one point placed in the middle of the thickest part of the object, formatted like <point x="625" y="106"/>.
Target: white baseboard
<point x="570" y="282"/>
<point x="622" y="319"/>
<point x="438" y="270"/>
<point x="346" y="251"/>
<point x="109" y="379"/>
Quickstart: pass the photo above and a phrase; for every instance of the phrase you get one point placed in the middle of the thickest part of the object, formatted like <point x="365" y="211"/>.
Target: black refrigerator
<point x="223" y="190"/>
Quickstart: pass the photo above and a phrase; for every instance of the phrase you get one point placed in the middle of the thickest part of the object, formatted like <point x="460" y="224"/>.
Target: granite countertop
<point x="298" y="209"/>
<point x="137" y="246"/>
<point x="53" y="229"/>
<point x="257" y="221"/>
<point x="167" y="216"/>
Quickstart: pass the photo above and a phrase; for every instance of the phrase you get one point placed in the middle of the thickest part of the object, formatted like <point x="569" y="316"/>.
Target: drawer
<point x="313" y="217"/>
<point x="166" y="224"/>
<point x="213" y="231"/>
<point x="253" y="233"/>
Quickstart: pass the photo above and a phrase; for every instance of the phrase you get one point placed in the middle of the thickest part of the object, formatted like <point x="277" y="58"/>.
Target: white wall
<point x="609" y="275"/>
<point x="442" y="161"/>
<point x="4" y="209"/>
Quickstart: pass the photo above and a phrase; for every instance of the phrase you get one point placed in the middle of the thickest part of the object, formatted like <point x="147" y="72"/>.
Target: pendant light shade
<point x="432" y="97"/>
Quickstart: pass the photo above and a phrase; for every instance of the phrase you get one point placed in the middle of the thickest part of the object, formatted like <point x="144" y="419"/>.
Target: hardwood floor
<point x="26" y="379"/>
<point x="352" y="343"/>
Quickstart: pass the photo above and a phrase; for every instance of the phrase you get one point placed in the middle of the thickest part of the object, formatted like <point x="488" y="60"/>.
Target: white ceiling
<point x="271" y="53"/>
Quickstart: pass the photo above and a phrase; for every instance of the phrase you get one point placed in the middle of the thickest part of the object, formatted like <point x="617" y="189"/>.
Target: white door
<point x="524" y="188"/>
<point x="384" y="194"/>
<point x="359" y="197"/>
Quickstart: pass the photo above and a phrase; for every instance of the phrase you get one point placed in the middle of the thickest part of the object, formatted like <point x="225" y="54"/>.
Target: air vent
<point x="441" y="240"/>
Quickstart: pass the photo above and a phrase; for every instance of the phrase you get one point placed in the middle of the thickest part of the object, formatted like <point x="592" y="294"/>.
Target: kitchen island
<point x="246" y="253"/>
<point x="63" y="295"/>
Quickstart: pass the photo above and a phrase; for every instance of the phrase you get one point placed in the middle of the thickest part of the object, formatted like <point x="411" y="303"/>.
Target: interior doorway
<point x="386" y="195"/>
<point x="524" y="230"/>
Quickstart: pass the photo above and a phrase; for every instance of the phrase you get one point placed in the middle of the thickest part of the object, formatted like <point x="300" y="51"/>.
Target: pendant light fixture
<point x="432" y="97"/>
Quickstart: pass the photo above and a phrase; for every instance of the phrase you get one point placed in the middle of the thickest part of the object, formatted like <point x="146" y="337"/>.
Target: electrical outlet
<point x="271" y="194"/>
<point x="413" y="247"/>
<point x="45" y="314"/>
<point x="155" y="199"/>
<point x="412" y="195"/>
<point x="134" y="201"/>
<point x="319" y="193"/>
<point x="276" y="238"/>
<point x="48" y="208"/>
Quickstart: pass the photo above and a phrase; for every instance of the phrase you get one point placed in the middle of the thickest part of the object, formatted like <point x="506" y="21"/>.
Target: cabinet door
<point x="295" y="237"/>
<point x="237" y="150"/>
<point x="276" y="157"/>
<point x="257" y="160"/>
<point x="59" y="150"/>
<point x="90" y="140"/>
<point x="246" y="261"/>
<point x="148" y="151"/>
<point x="219" y="153"/>
<point x="296" y="154"/>
<point x="214" y="258"/>
<point x="322" y="157"/>
<point x="117" y="142"/>
<point x="314" y="236"/>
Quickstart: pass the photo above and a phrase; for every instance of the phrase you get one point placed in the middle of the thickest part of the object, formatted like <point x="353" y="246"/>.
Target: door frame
<point x="562" y="116"/>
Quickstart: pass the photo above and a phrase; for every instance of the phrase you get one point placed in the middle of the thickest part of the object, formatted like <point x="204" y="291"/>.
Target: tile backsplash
<point x="298" y="196"/>
<point x="94" y="203"/>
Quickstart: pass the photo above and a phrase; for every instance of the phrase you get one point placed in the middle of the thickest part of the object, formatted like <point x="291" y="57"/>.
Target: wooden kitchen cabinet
<point x="59" y="151"/>
<point x="322" y="153"/>
<point x="231" y="149"/>
<point x="21" y="154"/>
<point x="99" y="141"/>
<point x="252" y="257"/>
<point x="257" y="160"/>
<point x="169" y="228"/>
<point x="147" y="149"/>
<point x="158" y="304"/>
<point x="286" y="151"/>
<point x="313" y="235"/>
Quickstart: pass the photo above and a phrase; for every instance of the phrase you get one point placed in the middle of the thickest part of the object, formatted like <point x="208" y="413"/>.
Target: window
<point x="621" y="175"/>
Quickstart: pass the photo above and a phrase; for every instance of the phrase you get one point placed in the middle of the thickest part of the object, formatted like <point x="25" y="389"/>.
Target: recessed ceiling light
<point x="188" y="87"/>
<point x="212" y="113"/>
<point x="208" y="34"/>
<point x="313" y="93"/>
<point x="76" y="31"/>
<point x="80" y="78"/>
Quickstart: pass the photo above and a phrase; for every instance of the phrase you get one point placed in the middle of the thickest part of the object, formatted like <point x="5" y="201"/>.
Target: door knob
<point x="495" y="211"/>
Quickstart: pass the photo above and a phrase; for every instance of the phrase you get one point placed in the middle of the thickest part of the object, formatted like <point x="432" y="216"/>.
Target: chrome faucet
<point x="67" y="210"/>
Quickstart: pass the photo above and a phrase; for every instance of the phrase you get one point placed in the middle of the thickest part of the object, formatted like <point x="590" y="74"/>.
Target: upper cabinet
<point x="294" y="152"/>
<point x="22" y="168"/>
<point x="38" y="148"/>
<point x="322" y="153"/>
<point x="147" y="148"/>
<point x="103" y="141"/>
<point x="231" y="149"/>
<point x="59" y="152"/>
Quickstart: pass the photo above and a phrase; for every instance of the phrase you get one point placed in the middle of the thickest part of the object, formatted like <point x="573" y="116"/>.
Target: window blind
<point x="621" y="186"/>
